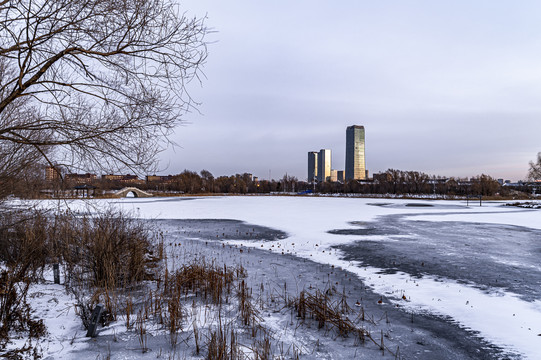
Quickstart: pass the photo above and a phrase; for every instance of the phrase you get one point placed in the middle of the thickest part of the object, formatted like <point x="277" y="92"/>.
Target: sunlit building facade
<point x="324" y="165"/>
<point x="355" y="153"/>
<point x="312" y="166"/>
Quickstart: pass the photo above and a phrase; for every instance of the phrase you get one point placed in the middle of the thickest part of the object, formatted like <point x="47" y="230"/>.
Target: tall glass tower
<point x="323" y="165"/>
<point x="312" y="166"/>
<point x="355" y="156"/>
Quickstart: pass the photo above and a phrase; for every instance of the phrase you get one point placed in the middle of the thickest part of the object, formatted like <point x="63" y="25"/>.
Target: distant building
<point x="52" y="173"/>
<point x="159" y="179"/>
<point x="121" y="178"/>
<point x="334" y="175"/>
<point x="324" y="165"/>
<point x="438" y="180"/>
<point x="355" y="153"/>
<point x="81" y="178"/>
<point x="312" y="166"/>
<point x="340" y="175"/>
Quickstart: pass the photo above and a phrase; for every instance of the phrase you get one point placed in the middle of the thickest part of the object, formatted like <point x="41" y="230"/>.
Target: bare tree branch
<point x="98" y="83"/>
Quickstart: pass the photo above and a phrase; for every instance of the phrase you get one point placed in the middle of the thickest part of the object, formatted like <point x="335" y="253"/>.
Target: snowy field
<point x="479" y="267"/>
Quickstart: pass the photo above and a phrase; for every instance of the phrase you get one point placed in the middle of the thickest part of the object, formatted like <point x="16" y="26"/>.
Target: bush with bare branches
<point x="110" y="250"/>
<point x="100" y="254"/>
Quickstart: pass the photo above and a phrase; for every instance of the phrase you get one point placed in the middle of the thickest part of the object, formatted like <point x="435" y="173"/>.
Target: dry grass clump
<point x="247" y="310"/>
<point x="222" y="344"/>
<point x="262" y="348"/>
<point x="208" y="281"/>
<point x="320" y="307"/>
<point x="162" y="304"/>
<point x="332" y="313"/>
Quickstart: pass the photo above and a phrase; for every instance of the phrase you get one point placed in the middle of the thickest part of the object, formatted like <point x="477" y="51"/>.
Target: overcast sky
<point x="448" y="88"/>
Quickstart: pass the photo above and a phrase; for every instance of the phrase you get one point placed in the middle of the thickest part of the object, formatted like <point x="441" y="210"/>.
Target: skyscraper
<point x="323" y="165"/>
<point x="355" y="155"/>
<point x="312" y="166"/>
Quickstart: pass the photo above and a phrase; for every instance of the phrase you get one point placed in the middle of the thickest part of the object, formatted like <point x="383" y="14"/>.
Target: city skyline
<point x="321" y="168"/>
<point x="449" y="89"/>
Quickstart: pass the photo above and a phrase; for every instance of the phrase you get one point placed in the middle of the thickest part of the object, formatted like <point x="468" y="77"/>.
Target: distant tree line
<point x="394" y="182"/>
<point x="190" y="182"/>
<point x="398" y="182"/>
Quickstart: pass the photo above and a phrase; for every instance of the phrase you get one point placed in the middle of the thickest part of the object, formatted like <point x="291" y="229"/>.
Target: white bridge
<point x="135" y="191"/>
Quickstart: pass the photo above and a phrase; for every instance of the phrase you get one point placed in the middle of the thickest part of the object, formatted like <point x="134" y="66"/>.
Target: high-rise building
<point x="312" y="166"/>
<point x="355" y="155"/>
<point x="324" y="165"/>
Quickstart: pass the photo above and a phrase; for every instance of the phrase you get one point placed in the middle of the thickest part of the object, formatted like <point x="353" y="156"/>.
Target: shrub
<point x="111" y="250"/>
<point x="108" y="251"/>
<point x="23" y="253"/>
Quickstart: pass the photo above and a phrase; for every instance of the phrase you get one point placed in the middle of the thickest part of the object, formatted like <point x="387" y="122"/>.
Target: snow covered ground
<point x="494" y="289"/>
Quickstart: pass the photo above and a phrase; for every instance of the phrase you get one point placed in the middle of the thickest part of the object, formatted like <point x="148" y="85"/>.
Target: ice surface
<point x="506" y="318"/>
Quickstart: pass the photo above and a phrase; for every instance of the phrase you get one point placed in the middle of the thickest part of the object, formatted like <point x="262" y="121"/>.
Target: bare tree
<point x="535" y="169"/>
<point x="15" y="160"/>
<point x="95" y="84"/>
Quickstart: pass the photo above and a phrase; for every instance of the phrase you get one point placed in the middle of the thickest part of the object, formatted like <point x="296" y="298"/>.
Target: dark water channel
<point x="226" y="229"/>
<point x="485" y="255"/>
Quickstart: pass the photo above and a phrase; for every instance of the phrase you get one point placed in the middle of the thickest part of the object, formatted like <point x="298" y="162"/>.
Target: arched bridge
<point x="136" y="192"/>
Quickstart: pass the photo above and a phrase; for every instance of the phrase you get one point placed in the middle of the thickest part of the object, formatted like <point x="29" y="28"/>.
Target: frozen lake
<point x="478" y="268"/>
